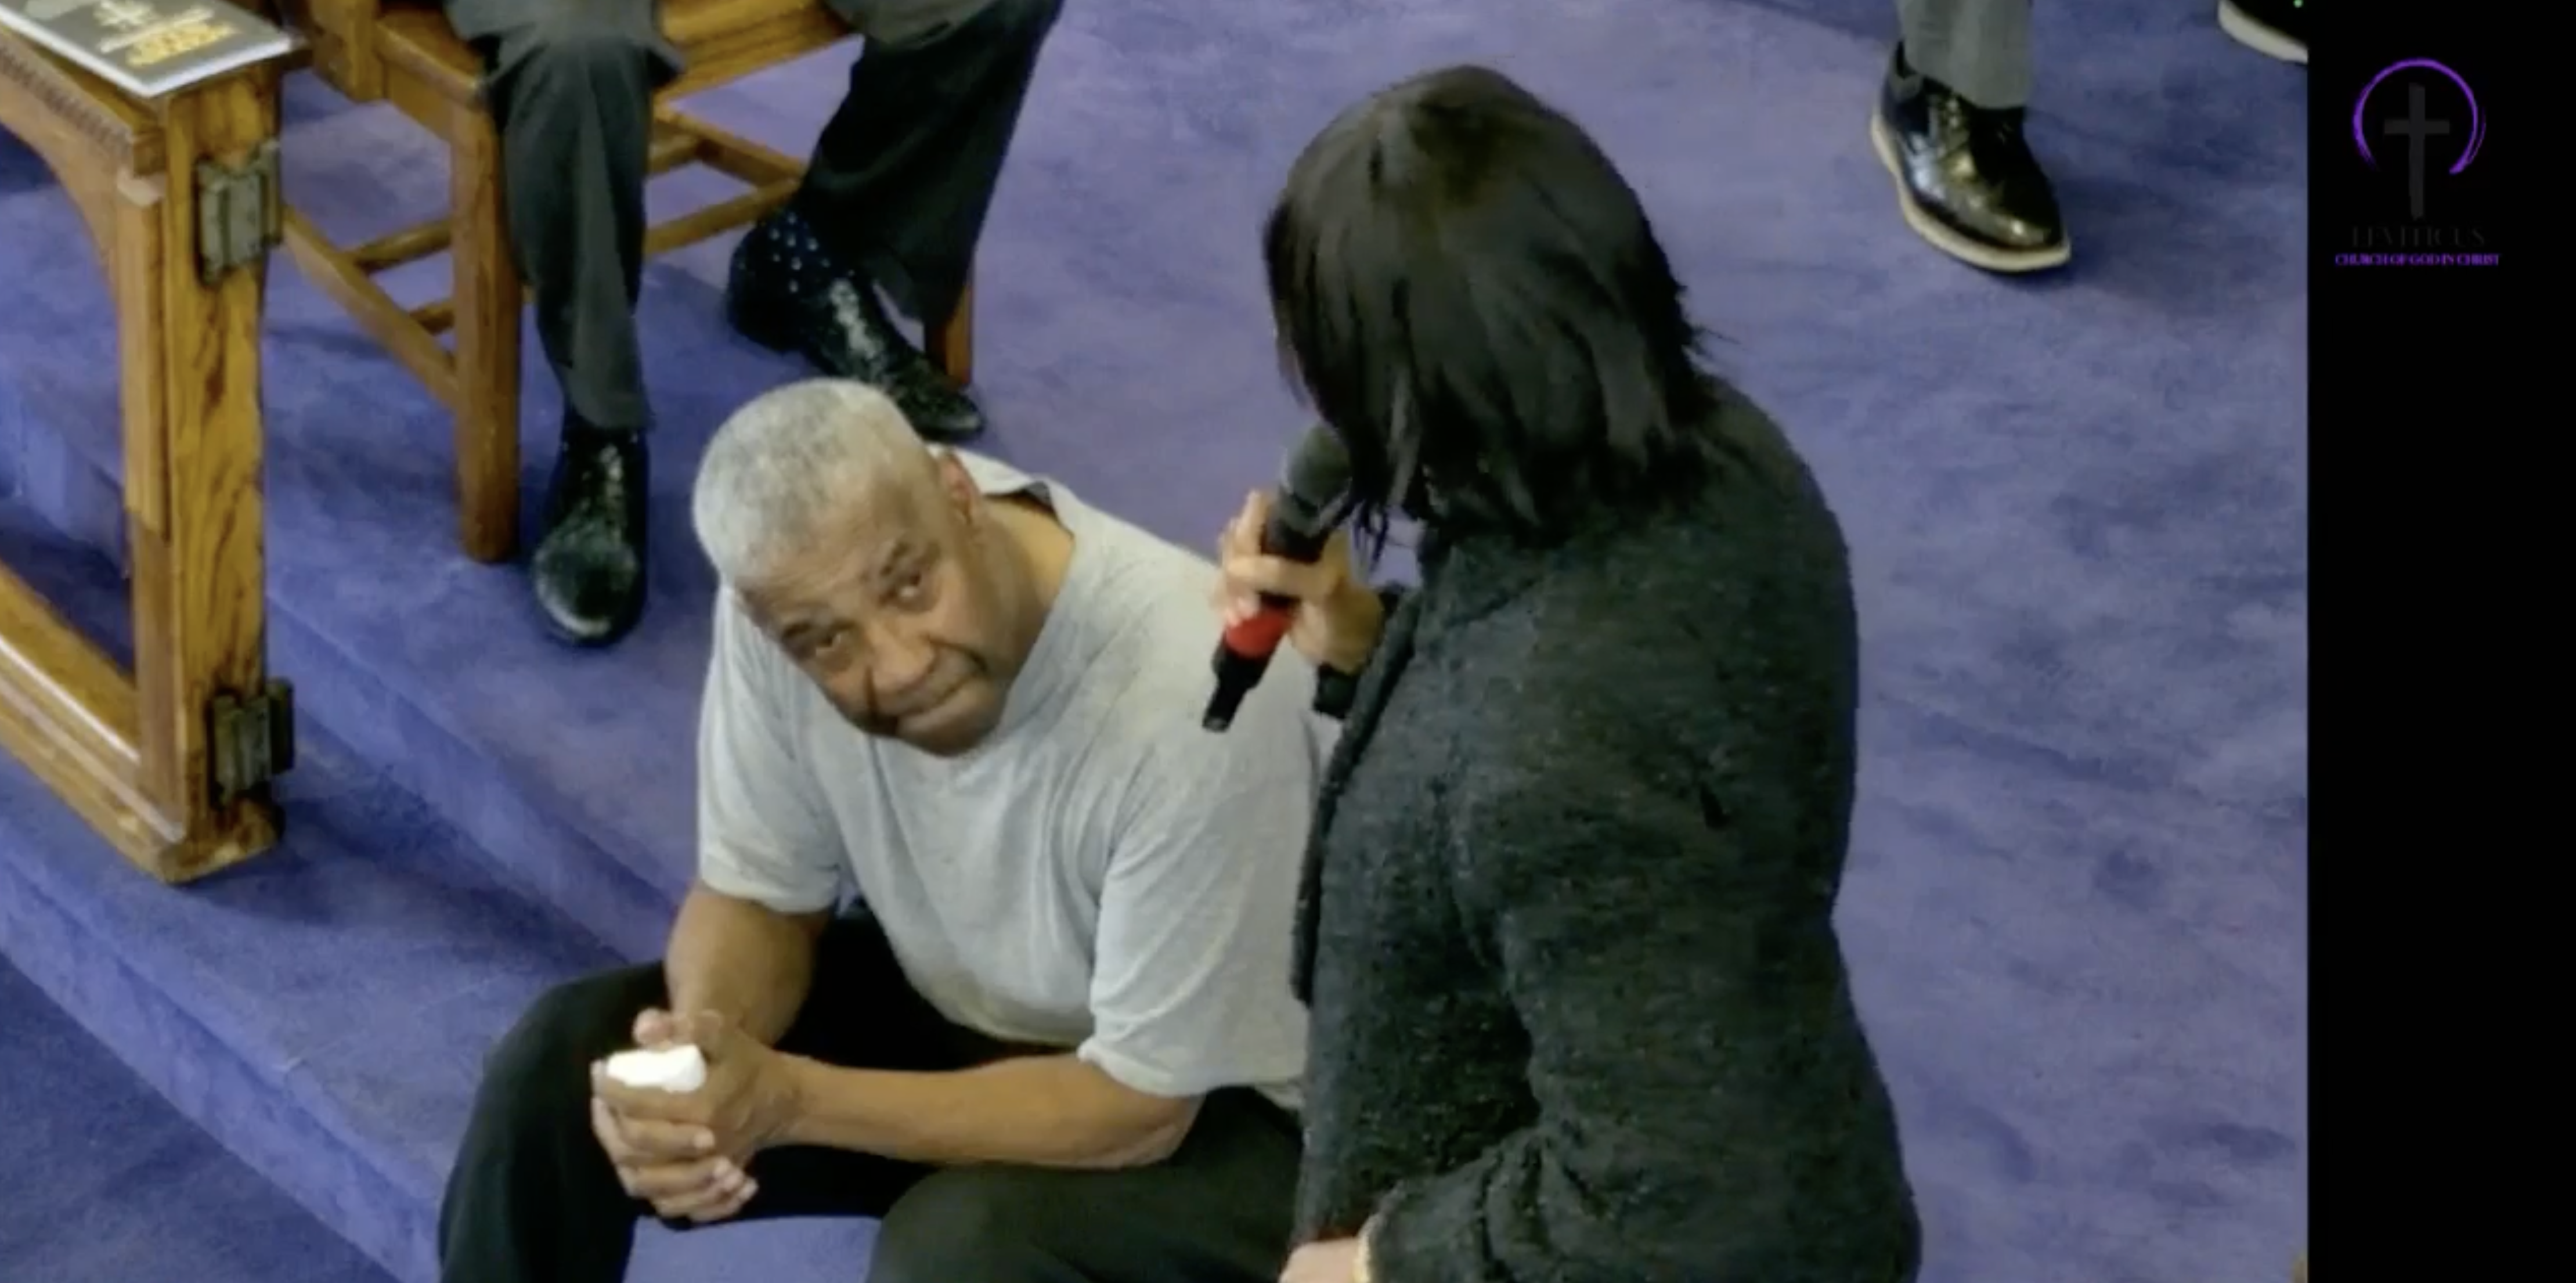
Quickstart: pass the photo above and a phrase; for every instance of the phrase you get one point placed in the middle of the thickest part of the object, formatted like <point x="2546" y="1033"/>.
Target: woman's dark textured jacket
<point x="1580" y="1015"/>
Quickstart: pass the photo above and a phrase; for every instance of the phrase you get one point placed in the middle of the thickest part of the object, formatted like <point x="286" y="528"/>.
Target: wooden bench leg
<point x="172" y="762"/>
<point x="487" y="300"/>
<point x="212" y="728"/>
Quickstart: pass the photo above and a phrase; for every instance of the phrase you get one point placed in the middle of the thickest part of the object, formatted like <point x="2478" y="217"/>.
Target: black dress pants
<point x="533" y="1198"/>
<point x="899" y="186"/>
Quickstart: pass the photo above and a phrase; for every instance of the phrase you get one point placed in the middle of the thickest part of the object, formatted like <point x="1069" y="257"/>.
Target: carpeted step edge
<point x="246" y="1105"/>
<point x="547" y="858"/>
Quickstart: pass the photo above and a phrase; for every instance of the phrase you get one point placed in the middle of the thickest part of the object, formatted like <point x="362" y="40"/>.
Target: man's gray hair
<point x="793" y="460"/>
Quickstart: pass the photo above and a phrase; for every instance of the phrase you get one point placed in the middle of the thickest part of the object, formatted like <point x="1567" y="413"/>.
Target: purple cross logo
<point x="2416" y="127"/>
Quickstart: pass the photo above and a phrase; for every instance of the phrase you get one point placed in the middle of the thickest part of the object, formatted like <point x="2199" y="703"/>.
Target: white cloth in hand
<point x="678" y="1069"/>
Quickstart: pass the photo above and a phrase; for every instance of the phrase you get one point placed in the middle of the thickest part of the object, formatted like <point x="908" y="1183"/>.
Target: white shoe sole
<point x="1970" y="252"/>
<point x="2257" y="37"/>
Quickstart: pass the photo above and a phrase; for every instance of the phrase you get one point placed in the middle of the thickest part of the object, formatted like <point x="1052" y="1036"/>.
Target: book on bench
<point x="148" y="48"/>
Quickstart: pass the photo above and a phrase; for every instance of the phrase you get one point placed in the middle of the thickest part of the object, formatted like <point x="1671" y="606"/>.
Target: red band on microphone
<point x="1258" y="637"/>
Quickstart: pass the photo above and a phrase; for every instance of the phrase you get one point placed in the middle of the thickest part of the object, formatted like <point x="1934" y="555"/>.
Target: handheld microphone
<point x="1312" y="500"/>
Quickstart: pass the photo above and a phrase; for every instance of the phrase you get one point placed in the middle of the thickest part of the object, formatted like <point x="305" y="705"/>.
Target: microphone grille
<point x="1319" y="472"/>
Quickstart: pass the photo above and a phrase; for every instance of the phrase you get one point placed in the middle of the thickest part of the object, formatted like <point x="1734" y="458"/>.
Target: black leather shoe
<point x="2273" y="28"/>
<point x="589" y="568"/>
<point x="1965" y="178"/>
<point x="786" y="293"/>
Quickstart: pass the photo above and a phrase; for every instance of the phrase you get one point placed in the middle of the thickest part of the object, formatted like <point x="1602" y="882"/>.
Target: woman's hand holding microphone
<point x="1338" y="617"/>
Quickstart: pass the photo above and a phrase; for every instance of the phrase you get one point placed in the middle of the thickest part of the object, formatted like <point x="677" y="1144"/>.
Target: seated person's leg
<point x="533" y="1198"/>
<point x="896" y="197"/>
<point x="1949" y="127"/>
<point x="1216" y="1211"/>
<point x="570" y="84"/>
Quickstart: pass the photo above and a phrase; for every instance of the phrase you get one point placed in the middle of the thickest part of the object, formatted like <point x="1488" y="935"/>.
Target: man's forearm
<point x="749" y="964"/>
<point x="1036" y="1111"/>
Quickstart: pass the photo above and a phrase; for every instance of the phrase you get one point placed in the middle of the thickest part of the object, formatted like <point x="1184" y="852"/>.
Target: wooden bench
<point x="406" y="53"/>
<point x="172" y="760"/>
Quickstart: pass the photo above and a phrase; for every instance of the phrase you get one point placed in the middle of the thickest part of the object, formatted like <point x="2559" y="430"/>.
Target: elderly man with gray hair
<point x="988" y="935"/>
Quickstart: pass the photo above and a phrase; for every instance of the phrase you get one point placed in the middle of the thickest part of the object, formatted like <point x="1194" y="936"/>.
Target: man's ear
<point x="963" y="494"/>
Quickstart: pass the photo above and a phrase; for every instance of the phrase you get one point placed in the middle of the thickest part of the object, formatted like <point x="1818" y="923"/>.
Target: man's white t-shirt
<point x="1101" y="874"/>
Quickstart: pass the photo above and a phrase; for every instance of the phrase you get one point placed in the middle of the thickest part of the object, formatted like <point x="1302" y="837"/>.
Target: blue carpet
<point x="108" y="1184"/>
<point x="2078" y="508"/>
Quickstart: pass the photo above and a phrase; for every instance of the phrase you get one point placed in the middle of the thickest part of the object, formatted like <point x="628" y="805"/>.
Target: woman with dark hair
<point x="1579" y="1013"/>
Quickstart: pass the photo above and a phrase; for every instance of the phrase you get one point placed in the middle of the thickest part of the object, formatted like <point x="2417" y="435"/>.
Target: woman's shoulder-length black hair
<point x="1470" y="294"/>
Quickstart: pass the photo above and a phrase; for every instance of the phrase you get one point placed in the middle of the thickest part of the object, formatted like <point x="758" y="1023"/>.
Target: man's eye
<point x="911" y="588"/>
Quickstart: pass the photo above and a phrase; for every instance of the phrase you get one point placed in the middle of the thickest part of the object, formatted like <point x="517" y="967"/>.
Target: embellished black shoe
<point x="786" y="293"/>
<point x="2273" y="28"/>
<point x="589" y="570"/>
<point x="1965" y="177"/>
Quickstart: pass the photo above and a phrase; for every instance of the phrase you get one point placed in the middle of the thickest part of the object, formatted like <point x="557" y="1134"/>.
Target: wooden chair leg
<point x="487" y="300"/>
<point x="952" y="345"/>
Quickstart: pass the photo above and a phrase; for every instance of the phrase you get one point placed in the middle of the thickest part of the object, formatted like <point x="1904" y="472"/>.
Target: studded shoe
<point x="786" y="293"/>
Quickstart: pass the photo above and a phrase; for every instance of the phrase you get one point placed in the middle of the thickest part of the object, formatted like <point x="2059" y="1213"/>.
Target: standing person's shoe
<point x="787" y="293"/>
<point x="1965" y="177"/>
<point x="2272" y="28"/>
<point x="589" y="571"/>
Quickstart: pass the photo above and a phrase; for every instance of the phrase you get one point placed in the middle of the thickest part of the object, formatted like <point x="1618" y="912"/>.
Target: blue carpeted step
<point x="49" y="471"/>
<point x="108" y="1184"/>
<point x="323" y="1010"/>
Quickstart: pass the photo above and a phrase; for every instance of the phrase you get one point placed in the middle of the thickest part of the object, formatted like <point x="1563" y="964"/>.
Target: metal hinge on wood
<point x="251" y="740"/>
<point x="240" y="214"/>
